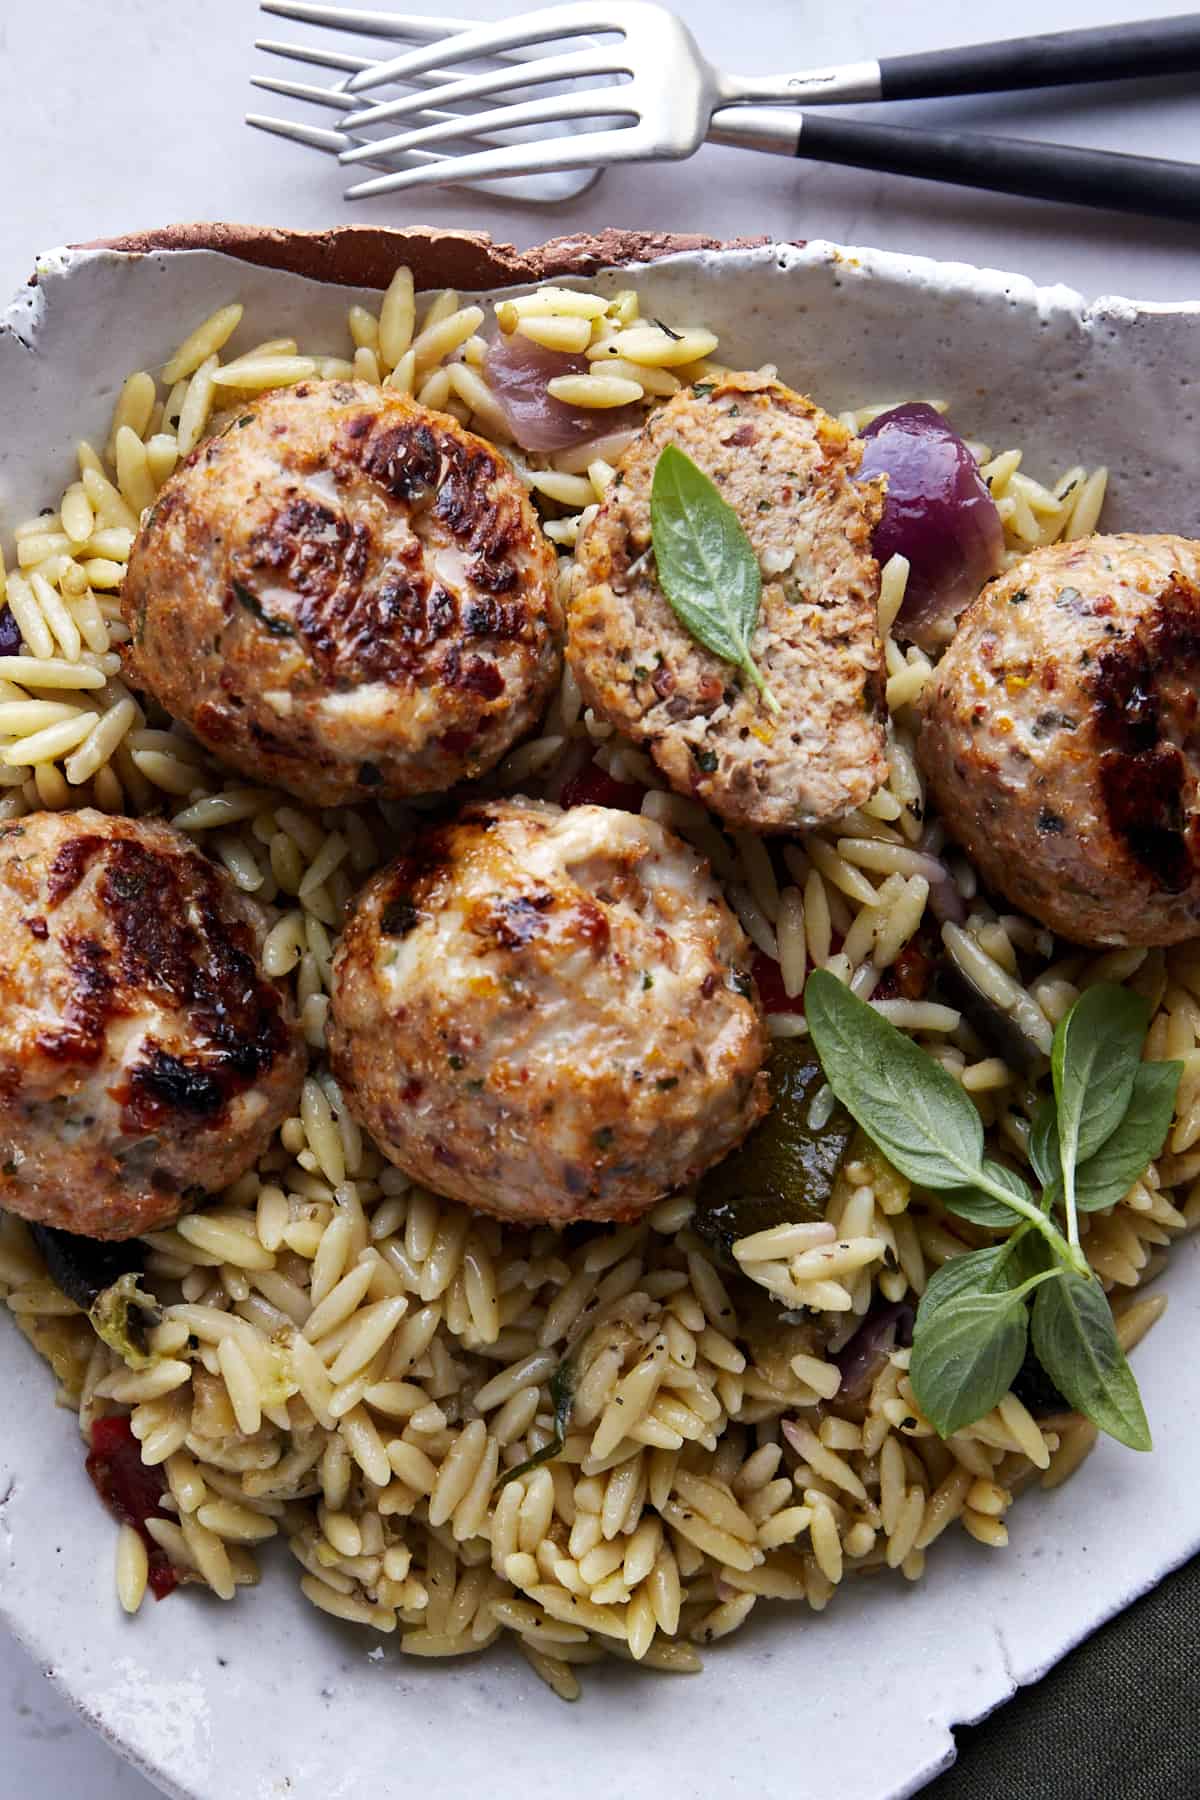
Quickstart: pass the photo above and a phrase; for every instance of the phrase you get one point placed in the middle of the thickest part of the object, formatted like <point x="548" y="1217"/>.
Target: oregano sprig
<point x="706" y="564"/>
<point x="916" y="1112"/>
<point x="1090" y="1141"/>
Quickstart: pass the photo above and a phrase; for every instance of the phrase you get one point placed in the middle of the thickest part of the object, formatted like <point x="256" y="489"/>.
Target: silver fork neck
<point x="811" y="87"/>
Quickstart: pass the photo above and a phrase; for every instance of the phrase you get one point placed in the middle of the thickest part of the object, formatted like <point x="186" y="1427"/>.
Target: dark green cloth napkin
<point x="1115" y="1721"/>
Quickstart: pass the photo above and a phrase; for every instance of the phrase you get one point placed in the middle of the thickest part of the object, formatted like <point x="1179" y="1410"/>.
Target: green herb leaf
<point x="1111" y="1171"/>
<point x="562" y="1397"/>
<point x="1043" y="1143"/>
<point x="986" y="1209"/>
<point x="1029" y="1254"/>
<point x="252" y="603"/>
<point x="905" y="1102"/>
<point x="979" y="1271"/>
<point x="121" y="1314"/>
<point x="966" y="1353"/>
<point x="1075" y="1341"/>
<point x="706" y="564"/>
<point x="1096" y="1054"/>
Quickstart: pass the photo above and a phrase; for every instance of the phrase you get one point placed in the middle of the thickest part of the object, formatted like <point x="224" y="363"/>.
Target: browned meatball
<point x="1061" y="738"/>
<point x="144" y="1055"/>
<point x="548" y="1014"/>
<point x="347" y="594"/>
<point x="788" y="470"/>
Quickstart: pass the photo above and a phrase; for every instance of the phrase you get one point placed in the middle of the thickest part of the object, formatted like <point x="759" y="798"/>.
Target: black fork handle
<point x="1097" y="53"/>
<point x="1148" y="185"/>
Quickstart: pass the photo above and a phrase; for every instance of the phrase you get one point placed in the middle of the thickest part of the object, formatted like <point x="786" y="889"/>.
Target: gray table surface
<point x="129" y="114"/>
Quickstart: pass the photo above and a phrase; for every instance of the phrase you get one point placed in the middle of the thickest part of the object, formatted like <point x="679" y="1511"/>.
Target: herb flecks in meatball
<point x="547" y="1014"/>
<point x="346" y="593"/>
<point x="1061" y="738"/>
<point x="144" y="1055"/>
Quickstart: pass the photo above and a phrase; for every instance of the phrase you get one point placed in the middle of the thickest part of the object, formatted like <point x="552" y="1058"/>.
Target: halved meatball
<point x="144" y="1055"/>
<point x="788" y="470"/>
<point x="347" y="594"/>
<point x="547" y="1014"/>
<point x="1061" y="738"/>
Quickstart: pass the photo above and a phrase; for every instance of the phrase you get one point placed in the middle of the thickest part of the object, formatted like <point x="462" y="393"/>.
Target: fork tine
<point x="486" y="40"/>
<point x="573" y="66"/>
<point x="586" y="151"/>
<point x="346" y="64"/>
<point x="322" y="59"/>
<point x="337" y="101"/>
<point x="303" y="90"/>
<point x="593" y="103"/>
<point x="316" y="137"/>
<point x="421" y="27"/>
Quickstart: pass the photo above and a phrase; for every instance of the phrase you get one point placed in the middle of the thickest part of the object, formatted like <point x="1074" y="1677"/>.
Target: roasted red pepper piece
<point x="771" y="991"/>
<point x="592" y="787"/>
<point x="131" y="1492"/>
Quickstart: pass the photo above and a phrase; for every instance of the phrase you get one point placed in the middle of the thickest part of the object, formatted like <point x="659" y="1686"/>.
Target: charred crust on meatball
<point x="416" y="464"/>
<point x="404" y="458"/>
<point x="516" y="920"/>
<point x="173" y="941"/>
<point x="1143" y="795"/>
<point x="1142" y="778"/>
<point x="69" y="866"/>
<point x="474" y="674"/>
<point x="399" y="917"/>
<point x="80" y="1038"/>
<point x="165" y="1084"/>
<point x="411" y="886"/>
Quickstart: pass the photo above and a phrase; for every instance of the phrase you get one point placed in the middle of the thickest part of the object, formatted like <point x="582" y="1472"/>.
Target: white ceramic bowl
<point x="267" y="1697"/>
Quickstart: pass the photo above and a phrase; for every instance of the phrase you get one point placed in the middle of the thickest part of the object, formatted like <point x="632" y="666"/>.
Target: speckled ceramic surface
<point x="266" y="1697"/>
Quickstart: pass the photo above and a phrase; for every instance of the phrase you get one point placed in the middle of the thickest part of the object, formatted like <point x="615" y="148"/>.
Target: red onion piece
<point x="517" y="371"/>
<point x="945" y="900"/>
<point x="862" y="1357"/>
<point x="946" y="903"/>
<point x="938" y="513"/>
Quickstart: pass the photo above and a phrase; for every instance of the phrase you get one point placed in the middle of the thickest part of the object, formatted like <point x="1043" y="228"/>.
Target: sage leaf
<point x="1096" y="1054"/>
<point x="965" y="1355"/>
<point x="706" y="564"/>
<point x="1075" y="1341"/>
<point x="1123" y="1158"/>
<point x="987" y="1209"/>
<point x="905" y="1102"/>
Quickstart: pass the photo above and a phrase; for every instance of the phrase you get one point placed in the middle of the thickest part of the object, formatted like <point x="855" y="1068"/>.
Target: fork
<point x="543" y="186"/>
<point x="667" y="100"/>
